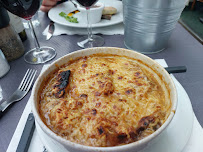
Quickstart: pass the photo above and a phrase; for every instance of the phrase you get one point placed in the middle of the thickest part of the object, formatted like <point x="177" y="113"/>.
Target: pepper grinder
<point x="10" y="42"/>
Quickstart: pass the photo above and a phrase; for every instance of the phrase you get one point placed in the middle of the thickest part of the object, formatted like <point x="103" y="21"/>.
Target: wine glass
<point x="26" y="9"/>
<point x="90" y="40"/>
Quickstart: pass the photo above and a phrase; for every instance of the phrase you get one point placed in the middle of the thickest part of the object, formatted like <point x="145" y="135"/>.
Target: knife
<point x="26" y="137"/>
<point x="50" y="30"/>
<point x="176" y="69"/>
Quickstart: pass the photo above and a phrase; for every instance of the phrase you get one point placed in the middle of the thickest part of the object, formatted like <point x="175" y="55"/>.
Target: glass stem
<point x="35" y="37"/>
<point x="89" y="25"/>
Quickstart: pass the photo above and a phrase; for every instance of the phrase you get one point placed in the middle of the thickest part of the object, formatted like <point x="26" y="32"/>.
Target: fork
<point x="21" y="91"/>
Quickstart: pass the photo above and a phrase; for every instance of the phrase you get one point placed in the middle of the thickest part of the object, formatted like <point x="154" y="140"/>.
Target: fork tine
<point x="21" y="83"/>
<point x="29" y="82"/>
<point x="26" y="79"/>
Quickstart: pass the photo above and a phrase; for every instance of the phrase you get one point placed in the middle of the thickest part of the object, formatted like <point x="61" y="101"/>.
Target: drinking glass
<point x="35" y="21"/>
<point x="26" y="9"/>
<point x="90" y="40"/>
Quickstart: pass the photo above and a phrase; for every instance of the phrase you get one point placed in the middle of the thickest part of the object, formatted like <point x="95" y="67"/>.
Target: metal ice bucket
<point x="149" y="23"/>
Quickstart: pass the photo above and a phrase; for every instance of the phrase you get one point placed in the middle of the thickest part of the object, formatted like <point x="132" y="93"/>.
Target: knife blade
<point x="50" y="30"/>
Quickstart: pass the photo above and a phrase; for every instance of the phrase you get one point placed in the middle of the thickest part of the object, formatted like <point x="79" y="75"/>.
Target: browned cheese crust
<point x="109" y="101"/>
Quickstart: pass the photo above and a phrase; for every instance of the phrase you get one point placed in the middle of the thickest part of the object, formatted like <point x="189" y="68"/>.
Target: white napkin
<point x="194" y="144"/>
<point x="109" y="30"/>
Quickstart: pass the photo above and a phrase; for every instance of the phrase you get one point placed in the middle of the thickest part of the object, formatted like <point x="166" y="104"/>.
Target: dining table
<point x="182" y="50"/>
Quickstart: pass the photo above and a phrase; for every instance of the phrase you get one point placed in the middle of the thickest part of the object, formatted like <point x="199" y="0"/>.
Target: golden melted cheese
<point x="109" y="101"/>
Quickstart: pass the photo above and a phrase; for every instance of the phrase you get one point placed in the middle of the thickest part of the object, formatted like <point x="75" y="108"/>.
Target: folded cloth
<point x="108" y="30"/>
<point x="193" y="145"/>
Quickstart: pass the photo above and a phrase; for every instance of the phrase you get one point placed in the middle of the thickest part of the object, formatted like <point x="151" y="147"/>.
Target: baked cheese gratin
<point x="104" y="100"/>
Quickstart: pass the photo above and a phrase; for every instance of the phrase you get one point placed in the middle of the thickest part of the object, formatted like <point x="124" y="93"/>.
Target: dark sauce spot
<point x="122" y="100"/>
<point x="122" y="137"/>
<point x="133" y="135"/>
<point x="137" y="73"/>
<point x="144" y="123"/>
<point x="129" y="91"/>
<point x="84" y="65"/>
<point x="79" y="103"/>
<point x="120" y="77"/>
<point x="97" y="93"/>
<point x="94" y="111"/>
<point x="83" y="96"/>
<point x="100" y="130"/>
<point x="98" y="104"/>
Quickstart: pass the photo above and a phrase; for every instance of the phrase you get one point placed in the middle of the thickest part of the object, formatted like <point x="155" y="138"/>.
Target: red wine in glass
<point x="26" y="9"/>
<point x="22" y="8"/>
<point x="87" y="3"/>
<point x="90" y="40"/>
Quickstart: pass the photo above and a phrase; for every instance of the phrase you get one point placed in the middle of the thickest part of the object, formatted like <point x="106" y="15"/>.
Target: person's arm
<point x="48" y="4"/>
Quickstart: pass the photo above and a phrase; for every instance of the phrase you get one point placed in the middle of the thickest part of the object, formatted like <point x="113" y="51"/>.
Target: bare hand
<point x="48" y="4"/>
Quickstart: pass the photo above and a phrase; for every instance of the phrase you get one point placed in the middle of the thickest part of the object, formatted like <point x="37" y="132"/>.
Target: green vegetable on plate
<point x="69" y="18"/>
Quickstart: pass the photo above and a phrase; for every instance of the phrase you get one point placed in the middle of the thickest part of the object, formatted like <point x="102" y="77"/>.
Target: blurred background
<point x="192" y="18"/>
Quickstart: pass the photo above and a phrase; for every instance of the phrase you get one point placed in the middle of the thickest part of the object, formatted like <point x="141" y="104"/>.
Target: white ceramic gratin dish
<point x="132" y="147"/>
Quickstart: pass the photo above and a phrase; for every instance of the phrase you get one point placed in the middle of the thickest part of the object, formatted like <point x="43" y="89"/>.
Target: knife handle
<point x="27" y="134"/>
<point x="176" y="69"/>
<point x="1" y="113"/>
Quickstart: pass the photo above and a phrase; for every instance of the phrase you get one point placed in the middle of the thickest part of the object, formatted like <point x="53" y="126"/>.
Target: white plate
<point x="68" y="7"/>
<point x="173" y="139"/>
